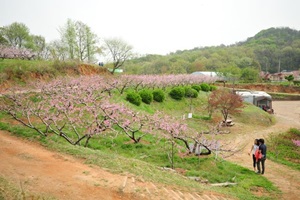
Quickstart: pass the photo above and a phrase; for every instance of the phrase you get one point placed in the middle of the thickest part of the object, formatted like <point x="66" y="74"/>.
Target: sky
<point x="156" y="26"/>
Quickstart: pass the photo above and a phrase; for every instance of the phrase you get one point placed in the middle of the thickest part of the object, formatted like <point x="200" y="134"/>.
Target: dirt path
<point x="46" y="174"/>
<point x="286" y="179"/>
<point x="40" y="171"/>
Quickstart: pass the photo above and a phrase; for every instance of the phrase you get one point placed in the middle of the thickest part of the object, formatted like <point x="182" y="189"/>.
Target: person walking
<point x="253" y="149"/>
<point x="261" y="162"/>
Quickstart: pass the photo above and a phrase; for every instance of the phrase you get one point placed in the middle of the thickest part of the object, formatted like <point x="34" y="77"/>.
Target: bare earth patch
<point x="46" y="174"/>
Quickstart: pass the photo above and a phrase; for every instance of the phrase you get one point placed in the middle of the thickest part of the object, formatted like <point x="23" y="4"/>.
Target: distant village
<point x="280" y="76"/>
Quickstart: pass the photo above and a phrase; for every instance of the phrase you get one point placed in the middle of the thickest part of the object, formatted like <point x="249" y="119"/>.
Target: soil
<point x="45" y="173"/>
<point x="290" y="89"/>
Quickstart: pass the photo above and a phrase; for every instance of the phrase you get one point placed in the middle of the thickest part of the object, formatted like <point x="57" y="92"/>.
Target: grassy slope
<point x="283" y="150"/>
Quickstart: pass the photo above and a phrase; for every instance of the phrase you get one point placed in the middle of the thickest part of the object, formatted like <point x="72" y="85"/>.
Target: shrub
<point x="158" y="95"/>
<point x="196" y="87"/>
<point x="177" y="93"/>
<point x="146" y="95"/>
<point x="205" y="87"/>
<point x="294" y="131"/>
<point x="213" y="87"/>
<point x="190" y="92"/>
<point x="134" y="98"/>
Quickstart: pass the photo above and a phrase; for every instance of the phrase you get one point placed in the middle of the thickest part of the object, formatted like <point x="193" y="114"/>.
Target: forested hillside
<point x="265" y="51"/>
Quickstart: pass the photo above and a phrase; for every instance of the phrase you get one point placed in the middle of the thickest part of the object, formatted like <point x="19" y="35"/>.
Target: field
<point x="113" y="166"/>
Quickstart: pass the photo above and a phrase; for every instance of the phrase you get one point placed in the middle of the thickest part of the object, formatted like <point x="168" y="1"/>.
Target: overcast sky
<point x="156" y="26"/>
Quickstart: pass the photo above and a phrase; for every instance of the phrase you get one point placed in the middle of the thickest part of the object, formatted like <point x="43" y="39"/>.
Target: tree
<point x="17" y="34"/>
<point x="79" y="40"/>
<point x="68" y="37"/>
<point x="119" y="52"/>
<point x="38" y="45"/>
<point x="231" y="74"/>
<point x="225" y="101"/>
<point x="58" y="50"/>
<point x="249" y="75"/>
<point x="3" y="41"/>
<point x="289" y="78"/>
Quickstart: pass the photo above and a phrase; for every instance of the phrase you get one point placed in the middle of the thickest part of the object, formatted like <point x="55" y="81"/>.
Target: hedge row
<point x="146" y="96"/>
<point x="158" y="95"/>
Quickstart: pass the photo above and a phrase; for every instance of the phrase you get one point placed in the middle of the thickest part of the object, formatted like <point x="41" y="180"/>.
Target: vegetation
<point x="177" y="93"/>
<point x="158" y="95"/>
<point x="119" y="52"/>
<point x="225" y="101"/>
<point x="205" y="87"/>
<point x="190" y="92"/>
<point x="85" y="113"/>
<point x="77" y="42"/>
<point x="146" y="159"/>
<point x="243" y="60"/>
<point x="20" y="72"/>
<point x="284" y="148"/>
<point x="146" y="95"/>
<point x="134" y="98"/>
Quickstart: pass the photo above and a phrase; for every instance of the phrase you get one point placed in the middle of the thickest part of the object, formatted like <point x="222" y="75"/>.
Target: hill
<point x="262" y="52"/>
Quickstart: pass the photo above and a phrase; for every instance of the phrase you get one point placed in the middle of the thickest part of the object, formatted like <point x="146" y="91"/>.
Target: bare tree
<point x="226" y="101"/>
<point x="119" y="52"/>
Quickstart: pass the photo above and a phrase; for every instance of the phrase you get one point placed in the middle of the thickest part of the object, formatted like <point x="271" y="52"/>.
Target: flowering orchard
<point x="78" y="109"/>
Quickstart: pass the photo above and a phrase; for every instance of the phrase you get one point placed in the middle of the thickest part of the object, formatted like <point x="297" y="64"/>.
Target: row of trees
<point x="18" y="36"/>
<point x="77" y="42"/>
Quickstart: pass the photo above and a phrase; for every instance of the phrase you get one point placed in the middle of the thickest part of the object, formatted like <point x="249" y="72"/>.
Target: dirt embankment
<point x="11" y="78"/>
<point x="268" y="88"/>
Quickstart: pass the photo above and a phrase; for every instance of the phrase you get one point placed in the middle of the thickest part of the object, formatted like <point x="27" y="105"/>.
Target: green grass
<point x="281" y="148"/>
<point x="284" y="96"/>
<point x="254" y="115"/>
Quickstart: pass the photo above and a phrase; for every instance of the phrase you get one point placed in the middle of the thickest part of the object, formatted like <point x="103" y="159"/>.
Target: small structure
<point x="257" y="98"/>
<point x="217" y="76"/>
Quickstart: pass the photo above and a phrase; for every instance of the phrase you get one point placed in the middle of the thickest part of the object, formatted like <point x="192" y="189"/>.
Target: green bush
<point x="177" y="93"/>
<point x="134" y="98"/>
<point x="294" y="131"/>
<point x="212" y="87"/>
<point x="196" y="87"/>
<point x="146" y="95"/>
<point x="190" y="92"/>
<point x="158" y="95"/>
<point x="205" y="87"/>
